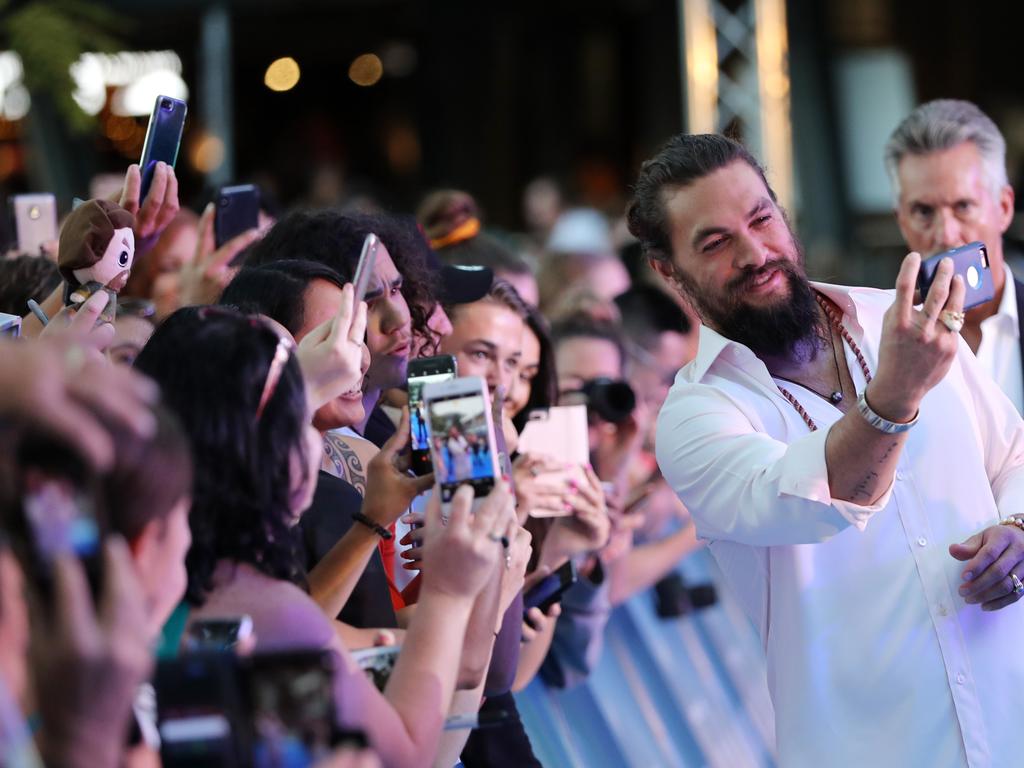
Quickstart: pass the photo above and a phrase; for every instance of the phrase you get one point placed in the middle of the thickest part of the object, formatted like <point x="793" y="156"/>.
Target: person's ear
<point x="664" y="267"/>
<point x="1005" y="201"/>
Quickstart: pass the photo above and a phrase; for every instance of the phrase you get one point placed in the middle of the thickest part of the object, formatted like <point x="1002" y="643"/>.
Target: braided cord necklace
<point x="835" y="320"/>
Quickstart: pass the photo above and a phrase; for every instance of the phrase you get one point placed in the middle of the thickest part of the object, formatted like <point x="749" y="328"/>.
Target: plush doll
<point x="96" y="251"/>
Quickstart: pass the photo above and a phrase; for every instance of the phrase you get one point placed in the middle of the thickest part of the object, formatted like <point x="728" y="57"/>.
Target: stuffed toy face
<point x="114" y="265"/>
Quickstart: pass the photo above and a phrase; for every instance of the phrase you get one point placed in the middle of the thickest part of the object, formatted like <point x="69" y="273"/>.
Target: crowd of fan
<point x="242" y="407"/>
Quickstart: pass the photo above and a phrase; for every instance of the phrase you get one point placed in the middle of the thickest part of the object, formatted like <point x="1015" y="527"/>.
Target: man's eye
<point x="761" y="220"/>
<point x="713" y="245"/>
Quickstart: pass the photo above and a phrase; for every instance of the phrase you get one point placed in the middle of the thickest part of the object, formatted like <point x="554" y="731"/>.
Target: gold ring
<point x="954" y="321"/>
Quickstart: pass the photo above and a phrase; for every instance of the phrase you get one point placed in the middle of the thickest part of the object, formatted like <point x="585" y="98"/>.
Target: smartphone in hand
<point x="971" y="263"/>
<point x="35" y="222"/>
<point x="365" y="267"/>
<point x="163" y="138"/>
<point x="238" y="211"/>
<point x="423" y="370"/>
<point x="550" y="589"/>
<point x="461" y="432"/>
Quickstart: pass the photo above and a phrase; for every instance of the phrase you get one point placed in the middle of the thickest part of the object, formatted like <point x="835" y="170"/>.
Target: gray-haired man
<point x="947" y="162"/>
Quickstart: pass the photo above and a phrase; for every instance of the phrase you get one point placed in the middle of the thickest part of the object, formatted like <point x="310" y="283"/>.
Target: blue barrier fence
<point x="678" y="693"/>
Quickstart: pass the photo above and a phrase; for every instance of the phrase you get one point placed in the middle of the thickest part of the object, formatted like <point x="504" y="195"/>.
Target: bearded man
<point x="854" y="471"/>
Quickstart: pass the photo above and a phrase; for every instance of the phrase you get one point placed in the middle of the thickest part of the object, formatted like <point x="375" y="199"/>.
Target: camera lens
<point x="33" y="212"/>
<point x="610" y="399"/>
<point x="167" y="105"/>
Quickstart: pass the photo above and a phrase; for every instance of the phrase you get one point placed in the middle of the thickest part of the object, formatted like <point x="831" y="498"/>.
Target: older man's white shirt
<point x="999" y="351"/>
<point x="873" y="657"/>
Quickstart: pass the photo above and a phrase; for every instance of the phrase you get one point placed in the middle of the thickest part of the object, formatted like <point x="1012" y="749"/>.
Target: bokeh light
<point x="282" y="74"/>
<point x="206" y="153"/>
<point x="366" y="70"/>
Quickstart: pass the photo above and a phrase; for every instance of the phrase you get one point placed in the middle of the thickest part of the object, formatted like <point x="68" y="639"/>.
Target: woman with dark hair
<point x="537" y="383"/>
<point x="239" y="390"/>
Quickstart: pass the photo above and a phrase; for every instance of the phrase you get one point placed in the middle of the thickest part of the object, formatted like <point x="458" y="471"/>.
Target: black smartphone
<point x="60" y="512"/>
<point x="365" y="267"/>
<point x="550" y="589"/>
<point x="163" y="138"/>
<point x="201" y="711"/>
<point x="423" y="370"/>
<point x="291" y="699"/>
<point x="238" y="211"/>
<point x="217" y="634"/>
<point x="971" y="263"/>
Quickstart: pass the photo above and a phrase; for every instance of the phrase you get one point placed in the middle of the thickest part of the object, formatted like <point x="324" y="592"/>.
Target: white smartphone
<point x="461" y="433"/>
<point x="559" y="432"/>
<point x="35" y="221"/>
<point x="365" y="267"/>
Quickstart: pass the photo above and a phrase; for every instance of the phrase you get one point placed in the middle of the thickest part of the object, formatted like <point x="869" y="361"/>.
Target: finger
<point x="399" y="439"/>
<point x="988" y="554"/>
<point x="432" y="514"/>
<point x="554" y="611"/>
<point x="101" y="391"/>
<point x="906" y="283"/>
<point x="421" y="484"/>
<point x="459" y="512"/>
<point x="957" y="293"/>
<point x="998" y="573"/>
<point x="146" y="217"/>
<point x="536" y="617"/>
<point x="412" y="518"/>
<point x="205" y="244"/>
<point x="132" y="188"/>
<point x="343" y="317"/>
<point x="1001" y="589"/>
<point x="486" y="518"/>
<point x="966" y="549"/>
<point x="939" y="291"/>
<point x="74" y="617"/>
<point x="529" y="633"/>
<point x="221" y="259"/>
<point x="170" y="206"/>
<point x="80" y="427"/>
<point x="536" y="577"/>
<point x="1000" y="602"/>
<point x="357" y="332"/>
<point x="122" y="606"/>
<point x="85" y="318"/>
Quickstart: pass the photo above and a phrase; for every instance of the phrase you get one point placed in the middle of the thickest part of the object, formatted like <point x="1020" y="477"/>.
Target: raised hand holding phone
<point x="331" y="355"/>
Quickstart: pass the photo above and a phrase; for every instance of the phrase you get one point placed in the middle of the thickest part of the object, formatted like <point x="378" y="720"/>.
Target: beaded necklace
<point x="836" y="321"/>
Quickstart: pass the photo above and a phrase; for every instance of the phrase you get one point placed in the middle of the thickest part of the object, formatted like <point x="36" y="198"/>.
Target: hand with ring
<point x="993" y="566"/>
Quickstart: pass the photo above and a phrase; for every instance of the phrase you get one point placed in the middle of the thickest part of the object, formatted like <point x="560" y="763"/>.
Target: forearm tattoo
<point x="345" y="462"/>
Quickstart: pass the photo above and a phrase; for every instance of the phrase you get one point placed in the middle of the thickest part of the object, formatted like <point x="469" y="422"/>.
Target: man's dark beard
<point x="775" y="331"/>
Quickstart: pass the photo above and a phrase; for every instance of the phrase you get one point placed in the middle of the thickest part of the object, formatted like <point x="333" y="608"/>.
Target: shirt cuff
<point x="804" y="474"/>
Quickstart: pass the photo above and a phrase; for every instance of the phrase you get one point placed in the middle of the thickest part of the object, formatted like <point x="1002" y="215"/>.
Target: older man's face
<point x="946" y="200"/>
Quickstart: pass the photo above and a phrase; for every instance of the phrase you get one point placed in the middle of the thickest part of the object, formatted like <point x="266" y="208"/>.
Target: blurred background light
<point x="14" y="98"/>
<point x="137" y="78"/>
<point x="366" y="70"/>
<point x="399" y="59"/>
<point x="282" y="74"/>
<point x="206" y="153"/>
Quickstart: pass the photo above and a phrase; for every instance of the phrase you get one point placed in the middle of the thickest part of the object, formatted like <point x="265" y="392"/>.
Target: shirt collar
<point x="1008" y="304"/>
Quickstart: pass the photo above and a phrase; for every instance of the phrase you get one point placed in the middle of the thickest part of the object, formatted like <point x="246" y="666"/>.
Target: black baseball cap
<point x="460" y="283"/>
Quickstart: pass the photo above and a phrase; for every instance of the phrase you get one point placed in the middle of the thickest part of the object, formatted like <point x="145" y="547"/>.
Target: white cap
<point x="582" y="231"/>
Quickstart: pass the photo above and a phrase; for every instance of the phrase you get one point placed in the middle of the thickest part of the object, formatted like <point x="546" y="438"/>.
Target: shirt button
<point x="922" y="542"/>
<point x="901" y="475"/>
<point x="960" y="678"/>
<point x="943" y="611"/>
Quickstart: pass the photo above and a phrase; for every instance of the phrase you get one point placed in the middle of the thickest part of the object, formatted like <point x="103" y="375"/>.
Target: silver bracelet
<point x="883" y="425"/>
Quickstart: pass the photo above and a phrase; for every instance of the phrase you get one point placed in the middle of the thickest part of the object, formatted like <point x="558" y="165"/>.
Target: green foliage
<point x="50" y="35"/>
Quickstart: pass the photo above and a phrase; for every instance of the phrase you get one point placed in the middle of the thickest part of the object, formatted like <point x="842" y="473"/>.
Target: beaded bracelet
<point x="380" y="530"/>
<point x="1015" y="520"/>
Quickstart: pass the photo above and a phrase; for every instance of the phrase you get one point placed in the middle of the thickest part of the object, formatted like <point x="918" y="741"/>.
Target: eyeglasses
<point x="284" y="348"/>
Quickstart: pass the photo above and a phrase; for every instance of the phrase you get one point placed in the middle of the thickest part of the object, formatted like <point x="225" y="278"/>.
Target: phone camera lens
<point x="33" y="212"/>
<point x="166" y="105"/>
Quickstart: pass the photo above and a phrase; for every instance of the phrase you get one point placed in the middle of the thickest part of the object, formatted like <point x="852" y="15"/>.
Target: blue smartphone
<point x="163" y="138"/>
<point x="971" y="263"/>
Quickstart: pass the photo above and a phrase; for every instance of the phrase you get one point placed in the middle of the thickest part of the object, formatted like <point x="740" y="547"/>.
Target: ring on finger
<point x="1018" y="585"/>
<point x="535" y="471"/>
<point x="954" y="321"/>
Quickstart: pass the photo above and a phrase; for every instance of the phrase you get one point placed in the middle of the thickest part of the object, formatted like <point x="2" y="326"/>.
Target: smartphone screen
<point x="292" y="699"/>
<point x="238" y="211"/>
<point x="365" y="267"/>
<point x="377" y="663"/>
<point x="423" y="371"/>
<point x="217" y="634"/>
<point x="460" y="443"/>
<point x="10" y="325"/>
<point x="163" y="138"/>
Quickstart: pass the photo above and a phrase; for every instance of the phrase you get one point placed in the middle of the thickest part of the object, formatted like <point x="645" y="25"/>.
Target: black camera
<point x="610" y="399"/>
<point x="674" y="597"/>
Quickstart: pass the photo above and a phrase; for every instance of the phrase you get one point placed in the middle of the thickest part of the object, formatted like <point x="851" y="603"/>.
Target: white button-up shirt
<point x="873" y="657"/>
<point x="999" y="351"/>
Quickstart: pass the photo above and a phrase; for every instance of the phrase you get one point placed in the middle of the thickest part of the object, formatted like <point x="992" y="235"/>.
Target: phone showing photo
<point x="365" y="267"/>
<point x="217" y="634"/>
<point x="424" y="370"/>
<point x="35" y="222"/>
<point x="461" y="431"/>
<point x="163" y="138"/>
<point x="238" y="211"/>
<point x="59" y="513"/>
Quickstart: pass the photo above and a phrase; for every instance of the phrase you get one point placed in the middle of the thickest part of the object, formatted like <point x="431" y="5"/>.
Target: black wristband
<point x="380" y="530"/>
